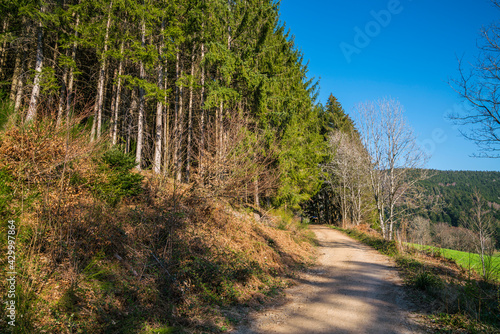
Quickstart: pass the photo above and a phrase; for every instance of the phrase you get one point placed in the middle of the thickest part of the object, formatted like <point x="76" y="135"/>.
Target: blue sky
<point x="407" y="50"/>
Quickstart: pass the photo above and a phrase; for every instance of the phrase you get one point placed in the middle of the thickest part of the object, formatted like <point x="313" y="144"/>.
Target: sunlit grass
<point x="466" y="260"/>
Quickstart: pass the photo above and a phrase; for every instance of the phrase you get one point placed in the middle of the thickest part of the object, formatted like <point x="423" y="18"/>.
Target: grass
<point x="464" y="259"/>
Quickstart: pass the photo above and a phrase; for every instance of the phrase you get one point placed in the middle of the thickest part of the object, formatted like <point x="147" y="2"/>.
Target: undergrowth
<point x="454" y="300"/>
<point x="115" y="179"/>
<point x="102" y="248"/>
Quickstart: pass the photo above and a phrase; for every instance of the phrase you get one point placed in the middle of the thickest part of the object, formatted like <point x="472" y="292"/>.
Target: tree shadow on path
<point x="353" y="290"/>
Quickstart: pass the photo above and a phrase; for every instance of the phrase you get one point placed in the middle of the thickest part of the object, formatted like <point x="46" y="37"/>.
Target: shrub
<point x="118" y="161"/>
<point x="426" y="281"/>
<point x="117" y="181"/>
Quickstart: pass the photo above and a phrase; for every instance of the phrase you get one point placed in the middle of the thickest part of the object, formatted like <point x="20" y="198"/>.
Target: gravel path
<point x="354" y="289"/>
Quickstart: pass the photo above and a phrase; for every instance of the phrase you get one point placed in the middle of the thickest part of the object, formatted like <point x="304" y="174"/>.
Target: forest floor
<point x="353" y="289"/>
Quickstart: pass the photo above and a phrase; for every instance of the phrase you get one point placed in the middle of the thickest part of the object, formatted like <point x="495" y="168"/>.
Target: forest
<point x="160" y="161"/>
<point x="212" y="92"/>
<point x="451" y="190"/>
<point x="449" y="199"/>
<point x="146" y="149"/>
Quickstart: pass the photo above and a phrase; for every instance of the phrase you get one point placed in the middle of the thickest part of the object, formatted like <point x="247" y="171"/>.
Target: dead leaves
<point x="38" y="153"/>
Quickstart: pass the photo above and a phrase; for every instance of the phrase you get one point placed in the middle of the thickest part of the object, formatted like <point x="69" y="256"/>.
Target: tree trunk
<point x="176" y="116"/>
<point x="3" y="47"/>
<point x="64" y="91"/>
<point x="256" y="192"/>
<point x="391" y="224"/>
<point x="116" y="109"/>
<point x="17" y="83"/>
<point x="71" y="76"/>
<point x="142" y="104"/>
<point x="190" y="118"/>
<point x="159" y="112"/>
<point x="166" y="129"/>
<point x="35" y="93"/>
<point x="178" y="123"/>
<point x="218" y="134"/>
<point x="113" y="102"/>
<point x="16" y="75"/>
<point x="326" y="208"/>
<point x="166" y="141"/>
<point x="19" y="93"/>
<point x="382" y="221"/>
<point x="180" y="126"/>
<point x="344" y="203"/>
<point x="358" y="219"/>
<point x="96" y="127"/>
<point x="202" y="117"/>
<point x="131" y="111"/>
<point x="158" y="135"/>
<point x="19" y="78"/>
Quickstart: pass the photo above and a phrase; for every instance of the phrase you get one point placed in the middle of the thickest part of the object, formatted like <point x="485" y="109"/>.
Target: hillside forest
<point x="194" y="90"/>
<point x="132" y="132"/>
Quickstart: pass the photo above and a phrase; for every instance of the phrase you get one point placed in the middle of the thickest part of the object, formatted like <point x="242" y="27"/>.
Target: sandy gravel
<point x="354" y="289"/>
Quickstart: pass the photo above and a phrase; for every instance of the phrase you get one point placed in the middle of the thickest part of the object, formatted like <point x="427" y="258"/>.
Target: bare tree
<point x="480" y="88"/>
<point x="348" y="175"/>
<point x="446" y="236"/>
<point x="3" y="47"/>
<point x="419" y="230"/>
<point x="480" y="222"/>
<point x="240" y="167"/>
<point x="395" y="158"/>
<point x="116" y="106"/>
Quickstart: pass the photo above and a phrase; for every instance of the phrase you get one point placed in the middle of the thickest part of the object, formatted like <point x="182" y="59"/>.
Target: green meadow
<point x="466" y="260"/>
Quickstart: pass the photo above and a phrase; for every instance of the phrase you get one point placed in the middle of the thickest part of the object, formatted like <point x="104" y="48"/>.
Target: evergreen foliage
<point x="303" y="149"/>
<point x="118" y="181"/>
<point x="337" y="193"/>
<point x="448" y="194"/>
<point x="171" y="77"/>
<point x="335" y="118"/>
<point x="211" y="95"/>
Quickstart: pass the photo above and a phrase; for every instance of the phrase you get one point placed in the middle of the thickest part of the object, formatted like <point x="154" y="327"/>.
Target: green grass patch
<point x="466" y="260"/>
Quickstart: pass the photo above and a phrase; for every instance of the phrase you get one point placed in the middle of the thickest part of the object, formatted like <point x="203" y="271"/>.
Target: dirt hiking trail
<point x="354" y="289"/>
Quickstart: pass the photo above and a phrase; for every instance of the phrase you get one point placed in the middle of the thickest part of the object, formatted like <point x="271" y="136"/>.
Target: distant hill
<point x="449" y="194"/>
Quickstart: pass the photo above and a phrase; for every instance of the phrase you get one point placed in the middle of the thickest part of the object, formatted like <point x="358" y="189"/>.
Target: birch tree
<point x="35" y="92"/>
<point x="480" y="223"/>
<point x="395" y="158"/>
<point x="159" y="106"/>
<point x="347" y="174"/>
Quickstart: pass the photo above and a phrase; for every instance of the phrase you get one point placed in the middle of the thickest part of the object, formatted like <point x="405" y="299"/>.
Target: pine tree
<point x="176" y="81"/>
